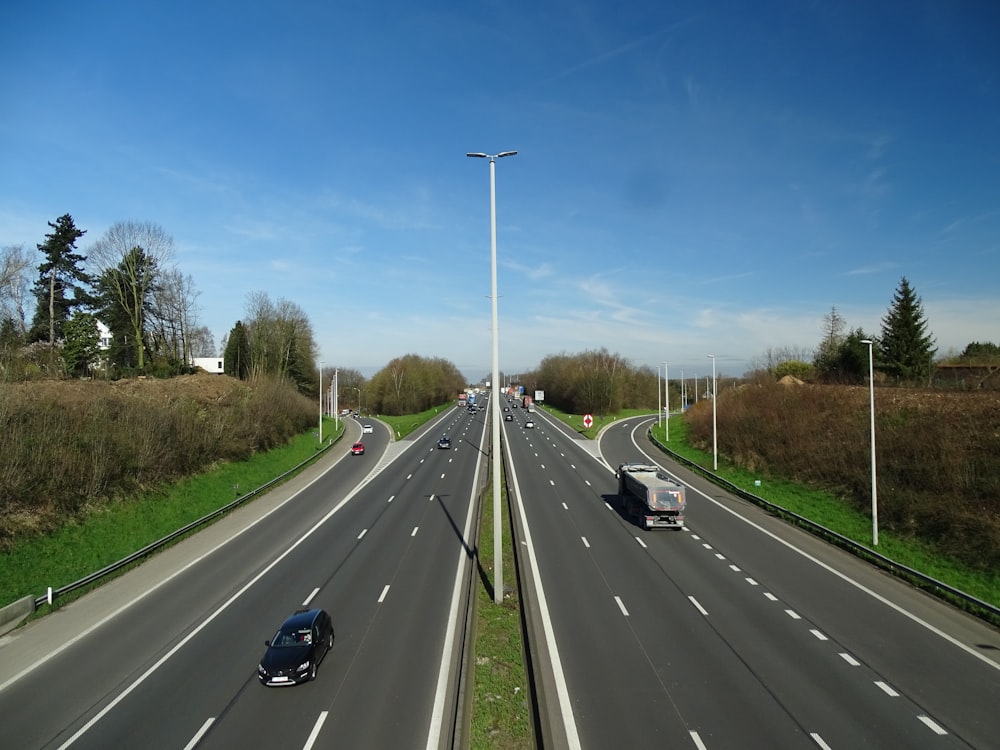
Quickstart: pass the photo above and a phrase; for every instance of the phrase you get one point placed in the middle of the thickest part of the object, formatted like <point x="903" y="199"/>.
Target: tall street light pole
<point x="659" y="399"/>
<point x="871" y="410"/>
<point x="495" y="380"/>
<point x="715" y="431"/>
<point x="666" y="401"/>
<point x="321" y="403"/>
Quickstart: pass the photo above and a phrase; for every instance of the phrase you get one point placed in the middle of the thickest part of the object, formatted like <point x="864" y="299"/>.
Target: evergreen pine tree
<point x="907" y="350"/>
<point x="59" y="275"/>
<point x="236" y="358"/>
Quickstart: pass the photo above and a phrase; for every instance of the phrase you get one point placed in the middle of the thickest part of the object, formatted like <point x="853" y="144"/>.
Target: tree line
<point x="125" y="309"/>
<point x="128" y="283"/>
<point x="903" y="351"/>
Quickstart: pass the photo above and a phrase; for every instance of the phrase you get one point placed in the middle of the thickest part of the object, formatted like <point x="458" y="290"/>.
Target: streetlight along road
<point x="495" y="380"/>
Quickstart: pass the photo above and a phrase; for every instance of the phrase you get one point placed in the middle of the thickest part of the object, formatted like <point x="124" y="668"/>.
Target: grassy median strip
<point x="501" y="703"/>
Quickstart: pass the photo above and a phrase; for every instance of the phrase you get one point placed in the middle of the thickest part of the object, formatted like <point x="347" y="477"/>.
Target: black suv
<point x="295" y="651"/>
<point x="444" y="442"/>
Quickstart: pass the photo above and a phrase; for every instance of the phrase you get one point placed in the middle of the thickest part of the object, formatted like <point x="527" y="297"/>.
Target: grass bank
<point x="107" y="533"/>
<point x="831" y="511"/>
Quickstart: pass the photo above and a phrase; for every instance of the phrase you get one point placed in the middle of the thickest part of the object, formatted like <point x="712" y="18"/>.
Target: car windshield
<point x="292" y="637"/>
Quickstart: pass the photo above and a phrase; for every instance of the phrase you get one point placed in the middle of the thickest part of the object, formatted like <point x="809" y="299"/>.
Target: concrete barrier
<point x="14" y="614"/>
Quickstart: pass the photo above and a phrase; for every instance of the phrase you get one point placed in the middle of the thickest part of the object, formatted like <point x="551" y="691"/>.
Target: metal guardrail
<point x="54" y="594"/>
<point x="966" y="602"/>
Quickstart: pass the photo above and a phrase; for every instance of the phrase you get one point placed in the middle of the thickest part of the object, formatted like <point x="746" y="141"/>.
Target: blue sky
<point x="693" y="178"/>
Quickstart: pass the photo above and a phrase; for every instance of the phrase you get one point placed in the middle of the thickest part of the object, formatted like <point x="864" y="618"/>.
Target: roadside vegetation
<point x="112" y="530"/>
<point x="938" y="467"/>
<point x="70" y="449"/>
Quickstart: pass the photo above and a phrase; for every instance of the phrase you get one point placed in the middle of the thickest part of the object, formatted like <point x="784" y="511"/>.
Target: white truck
<point x="650" y="498"/>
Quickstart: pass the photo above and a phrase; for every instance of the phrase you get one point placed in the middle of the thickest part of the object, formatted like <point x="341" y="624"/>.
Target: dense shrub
<point x="937" y="454"/>
<point x="67" y="445"/>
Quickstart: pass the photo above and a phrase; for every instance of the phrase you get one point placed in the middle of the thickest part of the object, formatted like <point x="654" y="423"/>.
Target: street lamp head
<point x="866" y="341"/>
<point x="491" y="157"/>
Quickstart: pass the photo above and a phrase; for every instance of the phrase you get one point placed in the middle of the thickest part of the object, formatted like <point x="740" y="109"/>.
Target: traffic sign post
<point x="588" y="420"/>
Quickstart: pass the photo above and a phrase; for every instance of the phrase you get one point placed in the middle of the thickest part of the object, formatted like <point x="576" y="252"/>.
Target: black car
<point x="295" y="651"/>
<point x="508" y="417"/>
<point x="444" y="442"/>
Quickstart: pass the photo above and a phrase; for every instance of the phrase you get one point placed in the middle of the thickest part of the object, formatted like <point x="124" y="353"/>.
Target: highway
<point x="166" y="656"/>
<point x="737" y="632"/>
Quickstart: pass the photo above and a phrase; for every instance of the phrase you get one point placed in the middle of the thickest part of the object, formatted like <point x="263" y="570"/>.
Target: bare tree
<point x="174" y="314"/>
<point x="202" y="342"/>
<point x="129" y="261"/>
<point x="281" y="340"/>
<point x="14" y="284"/>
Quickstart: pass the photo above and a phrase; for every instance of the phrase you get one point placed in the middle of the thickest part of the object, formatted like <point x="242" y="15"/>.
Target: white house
<point x="103" y="337"/>
<point x="211" y="365"/>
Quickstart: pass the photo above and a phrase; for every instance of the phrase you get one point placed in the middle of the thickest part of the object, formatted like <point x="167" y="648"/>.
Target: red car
<point x="358" y="449"/>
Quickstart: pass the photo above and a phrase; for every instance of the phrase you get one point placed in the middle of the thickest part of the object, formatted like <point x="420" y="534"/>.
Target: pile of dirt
<point x="791" y="380"/>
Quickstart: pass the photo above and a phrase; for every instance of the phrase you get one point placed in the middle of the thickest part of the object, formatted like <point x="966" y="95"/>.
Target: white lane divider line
<point x="697" y="604"/>
<point x="199" y="734"/>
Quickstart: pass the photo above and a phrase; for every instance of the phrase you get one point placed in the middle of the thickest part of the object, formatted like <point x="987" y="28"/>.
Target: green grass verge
<point x="826" y="509"/>
<point x="501" y="701"/>
<point x="575" y="421"/>
<point x="404" y="425"/>
<point x="113" y="531"/>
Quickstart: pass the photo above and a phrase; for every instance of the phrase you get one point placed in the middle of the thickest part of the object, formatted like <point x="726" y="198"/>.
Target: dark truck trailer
<point x="650" y="498"/>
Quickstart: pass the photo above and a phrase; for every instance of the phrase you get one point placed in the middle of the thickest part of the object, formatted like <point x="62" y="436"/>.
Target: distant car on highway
<point x="508" y="417"/>
<point x="358" y="449"/>
<point x="444" y="442"/>
<point x="367" y="428"/>
<point x="294" y="653"/>
<point x="529" y="425"/>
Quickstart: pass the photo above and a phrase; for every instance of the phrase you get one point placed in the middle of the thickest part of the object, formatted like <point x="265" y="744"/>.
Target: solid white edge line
<point x="444" y="670"/>
<point x="314" y="734"/>
<point x="562" y="691"/>
<point x="199" y="734"/>
<point x="830" y="569"/>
